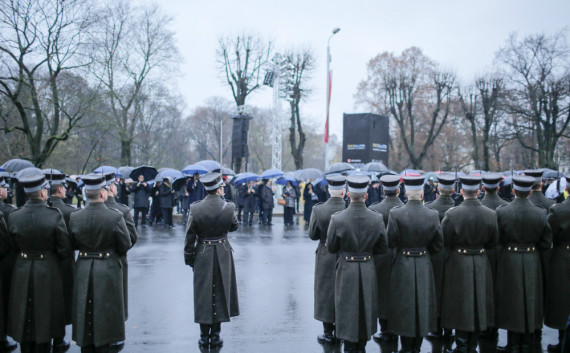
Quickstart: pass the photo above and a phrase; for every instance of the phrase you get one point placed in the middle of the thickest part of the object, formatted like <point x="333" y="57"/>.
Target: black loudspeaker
<point x="366" y="138"/>
<point x="240" y="132"/>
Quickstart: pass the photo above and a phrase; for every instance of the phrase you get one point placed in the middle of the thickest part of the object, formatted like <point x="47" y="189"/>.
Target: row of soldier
<point x="418" y="268"/>
<point x="44" y="288"/>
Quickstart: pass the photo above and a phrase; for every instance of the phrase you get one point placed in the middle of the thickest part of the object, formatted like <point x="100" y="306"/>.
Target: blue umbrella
<point x="321" y="181"/>
<point x="125" y="171"/>
<point x="15" y="165"/>
<point x="271" y="173"/>
<point x="194" y="168"/>
<point x="147" y="171"/>
<point x="287" y="178"/>
<point x="244" y="178"/>
<point x="104" y="169"/>
<point x="210" y="165"/>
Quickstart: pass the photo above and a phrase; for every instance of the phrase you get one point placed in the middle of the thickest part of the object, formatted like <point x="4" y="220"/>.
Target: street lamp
<point x="329" y="78"/>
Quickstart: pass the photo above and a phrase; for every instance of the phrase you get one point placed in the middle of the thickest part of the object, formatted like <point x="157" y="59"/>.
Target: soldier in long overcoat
<point x="467" y="304"/>
<point x="415" y="232"/>
<point x="6" y="267"/>
<point x="356" y="235"/>
<point x="523" y="233"/>
<point x="446" y="186"/>
<point x="111" y="203"/>
<point x="208" y="251"/>
<point x="557" y="307"/>
<point x="57" y="194"/>
<point x="325" y="261"/>
<point x="101" y="236"/>
<point x="39" y="234"/>
<point x="383" y="262"/>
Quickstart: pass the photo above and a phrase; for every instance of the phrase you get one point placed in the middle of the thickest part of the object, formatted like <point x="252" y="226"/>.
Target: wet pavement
<point x="274" y="268"/>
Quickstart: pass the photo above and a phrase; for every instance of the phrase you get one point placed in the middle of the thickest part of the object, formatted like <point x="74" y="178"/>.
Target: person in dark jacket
<point x="208" y="251"/>
<point x="37" y="308"/>
<point x="155" y="210"/>
<point x="101" y="236"/>
<point x="414" y="231"/>
<point x="166" y="201"/>
<point x="430" y="191"/>
<point x="141" y="191"/>
<point x="123" y="192"/>
<point x="383" y="262"/>
<point x="6" y="268"/>
<point x="374" y="193"/>
<point x="240" y="201"/>
<point x="266" y="201"/>
<point x="557" y="303"/>
<point x="356" y="235"/>
<point x="290" y="196"/>
<point x="310" y="198"/>
<point x="249" y="197"/>
<point x="322" y="192"/>
<point x="228" y="190"/>
<point x="79" y="193"/>
<point x="325" y="261"/>
<point x="524" y="232"/>
<point x="196" y="190"/>
<point x="467" y="303"/>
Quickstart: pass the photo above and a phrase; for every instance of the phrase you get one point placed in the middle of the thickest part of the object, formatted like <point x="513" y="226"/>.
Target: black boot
<point x="556" y="348"/>
<point x="384" y="336"/>
<point x="60" y="345"/>
<point x="417" y="345"/>
<point x="529" y="342"/>
<point x="513" y="343"/>
<point x="461" y="342"/>
<point x="204" y="340"/>
<point x="27" y="347"/>
<point x="407" y="344"/>
<point x="215" y="339"/>
<point x="361" y="347"/>
<point x="350" y="347"/>
<point x="473" y="341"/>
<point x="327" y="337"/>
<point x="7" y="345"/>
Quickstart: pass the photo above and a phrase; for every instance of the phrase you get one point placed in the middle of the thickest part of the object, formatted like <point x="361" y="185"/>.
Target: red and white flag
<point x="326" y="139"/>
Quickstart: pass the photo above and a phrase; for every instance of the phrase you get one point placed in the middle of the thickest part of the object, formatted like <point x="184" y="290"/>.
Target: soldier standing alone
<point x="208" y="251"/>
<point x="325" y="262"/>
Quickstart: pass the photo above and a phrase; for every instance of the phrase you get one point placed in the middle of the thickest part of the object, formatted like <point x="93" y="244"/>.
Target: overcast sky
<point x="461" y="35"/>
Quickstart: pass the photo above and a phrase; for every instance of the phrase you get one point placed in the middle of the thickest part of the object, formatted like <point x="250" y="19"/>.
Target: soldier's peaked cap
<point x="54" y="176"/>
<point x="212" y="180"/>
<point x="110" y="178"/>
<point x="535" y="173"/>
<point x="336" y="182"/>
<point x="94" y="181"/>
<point x="414" y="183"/>
<point x="33" y="183"/>
<point x="491" y="180"/>
<point x="357" y="183"/>
<point x="390" y="182"/>
<point x="446" y="181"/>
<point x="523" y="182"/>
<point x="470" y="182"/>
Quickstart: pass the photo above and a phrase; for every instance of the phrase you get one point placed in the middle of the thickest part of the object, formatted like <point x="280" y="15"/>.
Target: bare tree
<point x="536" y="73"/>
<point x="401" y="85"/>
<point x="240" y="60"/>
<point x="41" y="40"/>
<point x="301" y="64"/>
<point x="470" y="113"/>
<point x="133" y="46"/>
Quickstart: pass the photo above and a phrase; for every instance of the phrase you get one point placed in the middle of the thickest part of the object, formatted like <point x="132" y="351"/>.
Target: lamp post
<point x="326" y="138"/>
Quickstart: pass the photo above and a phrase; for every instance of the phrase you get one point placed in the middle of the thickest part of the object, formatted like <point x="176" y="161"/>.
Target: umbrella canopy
<point x="287" y="178"/>
<point x="430" y="175"/>
<point x="15" y="165"/>
<point x="228" y="172"/>
<point x="210" y="165"/>
<point x="194" y="168"/>
<point x="28" y="171"/>
<point x="125" y="171"/>
<point x="309" y="173"/>
<point x="321" y="181"/>
<point x="375" y="167"/>
<point x="107" y="169"/>
<point x="556" y="188"/>
<point x="70" y="180"/>
<point x="179" y="182"/>
<point x="271" y="173"/>
<point x="338" y="168"/>
<point x="147" y="171"/>
<point x="169" y="173"/>
<point x="244" y="178"/>
<point x="552" y="174"/>
<point x="410" y="172"/>
<point x="507" y="180"/>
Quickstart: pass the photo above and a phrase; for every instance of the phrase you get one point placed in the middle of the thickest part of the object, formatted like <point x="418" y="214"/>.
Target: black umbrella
<point x="374" y="167"/>
<point x="551" y="174"/>
<point x="339" y="168"/>
<point x="179" y="182"/>
<point x="15" y="165"/>
<point x="147" y="171"/>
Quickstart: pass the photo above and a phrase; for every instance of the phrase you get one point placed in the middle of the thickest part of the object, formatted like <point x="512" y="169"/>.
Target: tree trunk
<point x="475" y="142"/>
<point x="126" y="151"/>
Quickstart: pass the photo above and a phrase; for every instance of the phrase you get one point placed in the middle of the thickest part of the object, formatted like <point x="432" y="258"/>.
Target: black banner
<point x="365" y="138"/>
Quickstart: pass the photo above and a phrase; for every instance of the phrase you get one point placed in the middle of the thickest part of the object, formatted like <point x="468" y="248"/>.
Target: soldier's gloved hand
<point x="189" y="259"/>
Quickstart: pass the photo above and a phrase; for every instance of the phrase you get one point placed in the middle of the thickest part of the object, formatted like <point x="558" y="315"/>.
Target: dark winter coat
<point x="208" y="250"/>
<point x="123" y="193"/>
<point x="228" y="192"/>
<point x="166" y="196"/>
<point x="322" y="192"/>
<point x="5" y="247"/>
<point x="325" y="262"/>
<point x="141" y="196"/>
<point x="266" y="197"/>
<point x="519" y="291"/>
<point x="441" y="205"/>
<point x="356" y="231"/>
<point x="384" y="261"/>
<point x="493" y="201"/>
<point x="309" y="202"/>
<point x="240" y="194"/>
<point x="98" y="301"/>
<point x="557" y="302"/>
<point x="413" y="310"/>
<point x="249" y="199"/>
<point x="40" y="237"/>
<point x="195" y="193"/>
<point x="468" y="295"/>
<point x="67" y="265"/>
<point x="6" y="266"/>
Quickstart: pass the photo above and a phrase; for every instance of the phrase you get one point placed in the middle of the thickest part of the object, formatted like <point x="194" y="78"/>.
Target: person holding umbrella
<point x="141" y="192"/>
<point x="167" y="201"/>
<point x="249" y="197"/>
<point x="310" y="198"/>
<point x="266" y="201"/>
<point x="290" y="195"/>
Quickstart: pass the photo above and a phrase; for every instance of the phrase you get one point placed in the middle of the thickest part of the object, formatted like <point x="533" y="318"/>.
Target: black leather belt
<point x="470" y="250"/>
<point x="33" y="255"/>
<point x="357" y="257"/>
<point x="413" y="252"/>
<point x="102" y="255"/>
<point x="524" y="248"/>
<point x="213" y="241"/>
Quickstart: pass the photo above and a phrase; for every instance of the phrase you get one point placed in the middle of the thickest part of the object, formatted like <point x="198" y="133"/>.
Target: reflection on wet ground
<point x="275" y="282"/>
